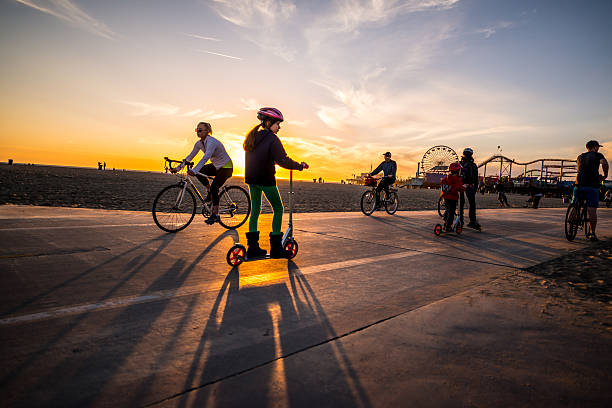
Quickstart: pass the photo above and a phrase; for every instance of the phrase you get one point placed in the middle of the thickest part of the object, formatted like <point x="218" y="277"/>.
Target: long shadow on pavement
<point x="277" y="323"/>
<point x="80" y="382"/>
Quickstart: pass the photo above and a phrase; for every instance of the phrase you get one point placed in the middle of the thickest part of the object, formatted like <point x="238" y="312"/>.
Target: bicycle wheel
<point x="572" y="219"/>
<point x="441" y="206"/>
<point x="174" y="208"/>
<point x="391" y="202"/>
<point x="368" y="202"/>
<point x="587" y="223"/>
<point x="234" y="207"/>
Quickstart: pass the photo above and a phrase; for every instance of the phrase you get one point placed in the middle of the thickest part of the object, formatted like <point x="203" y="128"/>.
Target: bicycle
<point x="175" y="206"/>
<point x="389" y="200"/>
<point x="577" y="217"/>
<point x="441" y="206"/>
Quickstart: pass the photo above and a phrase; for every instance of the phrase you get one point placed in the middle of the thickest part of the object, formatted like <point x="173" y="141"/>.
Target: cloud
<point x="146" y="109"/>
<point x="350" y="15"/>
<point x="299" y="123"/>
<point x="66" y="10"/>
<point x="250" y="104"/>
<point x="218" y="54"/>
<point x="267" y="23"/>
<point x="492" y="29"/>
<point x="250" y="13"/>
<point x="212" y="115"/>
<point x="201" y="37"/>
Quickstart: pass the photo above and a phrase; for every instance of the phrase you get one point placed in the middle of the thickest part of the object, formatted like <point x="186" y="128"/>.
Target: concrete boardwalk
<point x="101" y="308"/>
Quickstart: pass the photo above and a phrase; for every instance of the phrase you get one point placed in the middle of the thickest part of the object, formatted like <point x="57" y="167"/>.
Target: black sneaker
<point x="593" y="238"/>
<point x="212" y="219"/>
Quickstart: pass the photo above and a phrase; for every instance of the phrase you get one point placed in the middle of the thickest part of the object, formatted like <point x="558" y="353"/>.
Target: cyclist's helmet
<point x="270" y="113"/>
<point x="467" y="152"/>
<point x="387" y="154"/>
<point x="455" y="167"/>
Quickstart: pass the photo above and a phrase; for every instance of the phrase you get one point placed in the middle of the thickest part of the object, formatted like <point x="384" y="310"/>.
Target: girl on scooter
<point x="263" y="150"/>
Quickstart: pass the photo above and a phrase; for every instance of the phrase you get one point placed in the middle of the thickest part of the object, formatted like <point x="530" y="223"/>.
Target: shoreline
<point x="74" y="187"/>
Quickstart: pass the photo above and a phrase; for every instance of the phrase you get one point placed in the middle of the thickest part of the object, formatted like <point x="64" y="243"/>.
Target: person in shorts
<point x="588" y="180"/>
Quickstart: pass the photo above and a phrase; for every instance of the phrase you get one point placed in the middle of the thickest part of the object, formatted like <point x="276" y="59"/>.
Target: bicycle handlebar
<point x="170" y="161"/>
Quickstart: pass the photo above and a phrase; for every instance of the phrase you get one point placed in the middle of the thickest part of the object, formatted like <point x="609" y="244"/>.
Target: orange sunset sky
<point x="88" y="81"/>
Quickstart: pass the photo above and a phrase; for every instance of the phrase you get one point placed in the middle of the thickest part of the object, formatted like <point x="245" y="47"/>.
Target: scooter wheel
<point x="459" y="229"/>
<point x="292" y="247"/>
<point x="236" y="255"/>
<point x="438" y="229"/>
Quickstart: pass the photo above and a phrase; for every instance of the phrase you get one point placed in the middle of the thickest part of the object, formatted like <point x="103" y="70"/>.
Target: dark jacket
<point x="388" y="168"/>
<point x="469" y="172"/>
<point x="259" y="164"/>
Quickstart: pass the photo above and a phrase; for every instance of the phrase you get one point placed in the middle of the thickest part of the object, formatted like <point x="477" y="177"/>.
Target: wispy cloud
<point x="67" y="11"/>
<point x="488" y="31"/>
<point x="248" y="13"/>
<point x="201" y="37"/>
<point x="219" y="54"/>
<point x="268" y="23"/>
<point x="350" y="15"/>
<point x="299" y="123"/>
<point x="250" y="104"/>
<point x="147" y="109"/>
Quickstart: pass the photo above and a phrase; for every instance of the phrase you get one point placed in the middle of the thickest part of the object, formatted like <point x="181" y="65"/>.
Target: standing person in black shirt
<point x="263" y="150"/>
<point x="470" y="178"/>
<point x="588" y="180"/>
<point x="389" y="169"/>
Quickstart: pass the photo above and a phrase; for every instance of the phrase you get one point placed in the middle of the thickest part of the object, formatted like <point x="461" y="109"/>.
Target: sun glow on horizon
<point x="79" y="86"/>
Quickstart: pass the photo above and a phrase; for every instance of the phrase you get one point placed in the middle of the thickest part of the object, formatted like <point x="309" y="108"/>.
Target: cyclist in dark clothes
<point x="263" y="150"/>
<point x="588" y="180"/>
<point x="389" y="169"/>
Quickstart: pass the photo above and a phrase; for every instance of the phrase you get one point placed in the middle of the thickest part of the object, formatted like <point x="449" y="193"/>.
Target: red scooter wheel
<point x="292" y="247"/>
<point x="438" y="229"/>
<point x="236" y="255"/>
<point x="459" y="229"/>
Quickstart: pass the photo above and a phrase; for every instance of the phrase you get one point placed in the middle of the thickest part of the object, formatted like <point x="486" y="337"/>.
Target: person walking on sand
<point x="263" y="150"/>
<point x="588" y="180"/>
<point x="220" y="166"/>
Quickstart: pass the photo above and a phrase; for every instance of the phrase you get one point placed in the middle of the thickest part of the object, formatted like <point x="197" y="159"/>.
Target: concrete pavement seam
<point x="331" y="339"/>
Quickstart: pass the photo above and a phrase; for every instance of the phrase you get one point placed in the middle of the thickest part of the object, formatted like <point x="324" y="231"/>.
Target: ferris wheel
<point x="437" y="159"/>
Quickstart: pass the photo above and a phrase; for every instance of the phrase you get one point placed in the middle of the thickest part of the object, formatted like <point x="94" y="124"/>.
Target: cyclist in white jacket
<point x="220" y="166"/>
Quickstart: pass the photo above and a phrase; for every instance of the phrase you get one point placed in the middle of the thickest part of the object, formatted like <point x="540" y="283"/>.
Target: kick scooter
<point x="237" y="253"/>
<point x="457" y="226"/>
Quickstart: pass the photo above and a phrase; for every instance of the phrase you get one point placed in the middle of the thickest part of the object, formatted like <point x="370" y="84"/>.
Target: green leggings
<point x="274" y="199"/>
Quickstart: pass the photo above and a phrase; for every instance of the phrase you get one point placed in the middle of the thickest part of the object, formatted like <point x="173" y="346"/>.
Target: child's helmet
<point x="270" y="113"/>
<point x="467" y="152"/>
<point x="455" y="167"/>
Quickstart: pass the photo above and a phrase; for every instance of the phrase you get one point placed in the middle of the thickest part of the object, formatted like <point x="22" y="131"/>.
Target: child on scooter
<point x="263" y="150"/>
<point x="450" y="187"/>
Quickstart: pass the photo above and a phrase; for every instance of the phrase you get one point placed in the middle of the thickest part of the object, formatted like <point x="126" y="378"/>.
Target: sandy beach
<point x="135" y="190"/>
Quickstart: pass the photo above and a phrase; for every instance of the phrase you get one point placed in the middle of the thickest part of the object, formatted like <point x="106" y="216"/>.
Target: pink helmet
<point x="455" y="167"/>
<point x="270" y="113"/>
